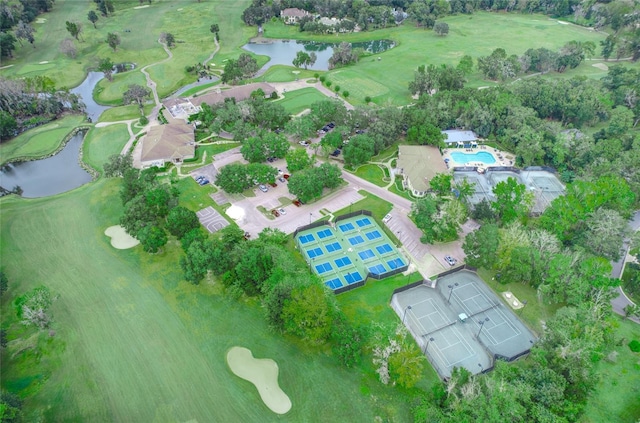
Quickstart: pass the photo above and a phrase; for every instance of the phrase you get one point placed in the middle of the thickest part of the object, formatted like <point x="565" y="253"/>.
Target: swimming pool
<point x="480" y="156"/>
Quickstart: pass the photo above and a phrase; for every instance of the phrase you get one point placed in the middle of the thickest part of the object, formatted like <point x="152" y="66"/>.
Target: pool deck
<point x="502" y="158"/>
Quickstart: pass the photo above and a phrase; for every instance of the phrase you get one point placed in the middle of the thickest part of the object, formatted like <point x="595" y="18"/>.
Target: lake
<point x="282" y="52"/>
<point x="50" y="176"/>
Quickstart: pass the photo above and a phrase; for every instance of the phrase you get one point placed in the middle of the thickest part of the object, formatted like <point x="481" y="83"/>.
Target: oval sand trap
<point x="120" y="239"/>
<point x="263" y="373"/>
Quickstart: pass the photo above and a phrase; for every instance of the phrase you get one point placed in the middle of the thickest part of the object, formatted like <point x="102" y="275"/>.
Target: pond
<point x="50" y="176"/>
<point x="85" y="90"/>
<point x="282" y="52"/>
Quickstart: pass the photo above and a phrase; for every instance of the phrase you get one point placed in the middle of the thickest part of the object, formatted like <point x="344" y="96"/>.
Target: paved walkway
<point x="621" y="300"/>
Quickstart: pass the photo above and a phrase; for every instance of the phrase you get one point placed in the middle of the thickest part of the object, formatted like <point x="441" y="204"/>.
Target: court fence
<point x="310" y="226"/>
<point x="353" y="214"/>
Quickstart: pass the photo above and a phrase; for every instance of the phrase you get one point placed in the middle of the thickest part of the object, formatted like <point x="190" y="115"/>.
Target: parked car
<point x="271" y="159"/>
<point x="263" y="188"/>
<point x="331" y="125"/>
<point x="199" y="178"/>
<point x="336" y="153"/>
<point x="273" y="184"/>
<point x="286" y="176"/>
<point x="297" y="203"/>
<point x="386" y="218"/>
<point x="304" y="143"/>
<point x="281" y="179"/>
<point x="450" y="260"/>
<point x="275" y="213"/>
<point x="204" y="181"/>
<point x="282" y="211"/>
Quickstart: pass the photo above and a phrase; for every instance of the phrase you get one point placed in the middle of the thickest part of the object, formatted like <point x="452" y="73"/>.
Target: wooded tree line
<point x="424" y="13"/>
<point x="32" y="101"/>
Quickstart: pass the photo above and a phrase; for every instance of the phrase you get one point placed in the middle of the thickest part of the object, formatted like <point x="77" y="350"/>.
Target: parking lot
<point x="211" y="219"/>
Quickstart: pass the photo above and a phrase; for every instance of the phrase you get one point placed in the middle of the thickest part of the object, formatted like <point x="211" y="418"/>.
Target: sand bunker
<point x="235" y="212"/>
<point x="120" y="239"/>
<point x="44" y="62"/>
<point x="601" y="66"/>
<point x="141" y="7"/>
<point x="263" y="373"/>
<point x="41" y="20"/>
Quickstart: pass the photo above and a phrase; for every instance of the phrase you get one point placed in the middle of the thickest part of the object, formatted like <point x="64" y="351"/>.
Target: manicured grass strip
<point x="281" y="73"/>
<point x="124" y="113"/>
<point x="102" y="143"/>
<point x="194" y="90"/>
<point x="39" y="141"/>
<point x="372" y="173"/>
<point x="110" y="93"/>
<point x="296" y="101"/>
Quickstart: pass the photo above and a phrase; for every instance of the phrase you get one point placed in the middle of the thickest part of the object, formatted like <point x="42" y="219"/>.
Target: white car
<point x="386" y="218"/>
<point x="263" y="188"/>
<point x="282" y="211"/>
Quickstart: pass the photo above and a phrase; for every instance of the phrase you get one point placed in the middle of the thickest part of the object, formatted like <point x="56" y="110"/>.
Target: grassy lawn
<point x="281" y="73"/>
<point x="199" y="88"/>
<point x="131" y="111"/>
<point x="616" y="396"/>
<point x="475" y="35"/>
<point x="110" y="92"/>
<point x="386" y="154"/>
<point x="102" y="143"/>
<point x="296" y="101"/>
<point x="134" y="342"/>
<point x="39" y="141"/>
<point x="370" y="303"/>
<point x="372" y="173"/>
<point x="535" y="313"/>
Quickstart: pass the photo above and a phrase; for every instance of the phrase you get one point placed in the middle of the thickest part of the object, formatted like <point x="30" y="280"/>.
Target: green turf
<point x="110" y="93"/>
<point x="140" y="344"/>
<point x="616" y="396"/>
<point x="39" y="141"/>
<point x="101" y="143"/>
<point x="370" y="303"/>
<point x="296" y="101"/>
<point x="199" y="88"/>
<point x="476" y="35"/>
<point x="139" y="45"/>
<point x="281" y="73"/>
<point x="372" y="173"/>
<point x="131" y="111"/>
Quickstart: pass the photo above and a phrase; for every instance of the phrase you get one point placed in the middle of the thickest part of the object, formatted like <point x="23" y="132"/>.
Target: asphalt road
<point x="621" y="301"/>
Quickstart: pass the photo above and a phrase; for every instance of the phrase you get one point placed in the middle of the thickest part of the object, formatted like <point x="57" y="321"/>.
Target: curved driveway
<point x="621" y="301"/>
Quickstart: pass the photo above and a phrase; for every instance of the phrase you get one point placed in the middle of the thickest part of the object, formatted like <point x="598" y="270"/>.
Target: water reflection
<point x="50" y="176"/>
<point x="282" y="52"/>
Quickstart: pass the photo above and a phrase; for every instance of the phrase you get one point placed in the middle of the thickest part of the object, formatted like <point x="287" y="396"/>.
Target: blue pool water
<point x="480" y="156"/>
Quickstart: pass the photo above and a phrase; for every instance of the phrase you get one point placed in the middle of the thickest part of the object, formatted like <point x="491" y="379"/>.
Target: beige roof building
<point x="418" y="164"/>
<point x="292" y="15"/>
<point x="168" y="143"/>
<point x="240" y="93"/>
